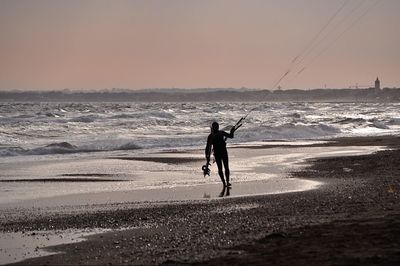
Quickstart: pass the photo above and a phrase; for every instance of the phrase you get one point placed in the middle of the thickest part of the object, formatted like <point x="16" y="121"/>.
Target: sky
<point x="101" y="44"/>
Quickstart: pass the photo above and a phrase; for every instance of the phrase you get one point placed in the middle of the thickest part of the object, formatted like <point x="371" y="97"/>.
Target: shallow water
<point x="254" y="172"/>
<point x="122" y="178"/>
<point x="18" y="246"/>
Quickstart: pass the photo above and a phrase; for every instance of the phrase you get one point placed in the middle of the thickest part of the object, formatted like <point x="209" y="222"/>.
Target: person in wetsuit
<point x="216" y="140"/>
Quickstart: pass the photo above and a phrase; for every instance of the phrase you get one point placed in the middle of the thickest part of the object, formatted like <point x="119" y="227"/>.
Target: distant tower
<point x="377" y="84"/>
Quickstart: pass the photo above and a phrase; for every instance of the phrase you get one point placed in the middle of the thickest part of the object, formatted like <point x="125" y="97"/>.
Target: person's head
<point x="214" y="127"/>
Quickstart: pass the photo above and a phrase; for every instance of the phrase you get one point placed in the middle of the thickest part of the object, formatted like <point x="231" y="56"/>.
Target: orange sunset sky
<point x="82" y="44"/>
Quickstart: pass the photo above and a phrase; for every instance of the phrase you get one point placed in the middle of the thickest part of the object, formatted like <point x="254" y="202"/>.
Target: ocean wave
<point x="126" y="116"/>
<point x="53" y="148"/>
<point x="288" y="131"/>
<point x="23" y="116"/>
<point x="111" y="126"/>
<point x="305" y="131"/>
<point x="53" y="115"/>
<point x="84" y="119"/>
<point x="160" y="114"/>
<point x="129" y="146"/>
<point x="16" y="119"/>
<point x="63" y="148"/>
<point x="165" y="114"/>
<point x="294" y="115"/>
<point x="11" y="151"/>
<point x="47" y="115"/>
<point x="350" y="120"/>
<point x="394" y="121"/>
<point x="379" y="125"/>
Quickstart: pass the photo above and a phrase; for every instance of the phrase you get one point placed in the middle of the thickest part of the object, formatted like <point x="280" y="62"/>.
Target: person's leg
<point x="222" y="194"/>
<point x="225" y="160"/>
<point x="218" y="160"/>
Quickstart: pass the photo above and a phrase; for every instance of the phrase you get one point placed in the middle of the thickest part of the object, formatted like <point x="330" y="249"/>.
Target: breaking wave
<point x="84" y="119"/>
<point x="352" y="121"/>
<point x="63" y="128"/>
<point x="288" y="131"/>
<point x="62" y="148"/>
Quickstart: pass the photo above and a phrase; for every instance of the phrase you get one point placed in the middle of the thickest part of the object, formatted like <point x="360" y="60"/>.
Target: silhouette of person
<point x="216" y="141"/>
<point x="228" y="192"/>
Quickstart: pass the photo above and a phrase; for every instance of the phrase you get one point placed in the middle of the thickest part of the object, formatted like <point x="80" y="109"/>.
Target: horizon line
<point x="160" y="89"/>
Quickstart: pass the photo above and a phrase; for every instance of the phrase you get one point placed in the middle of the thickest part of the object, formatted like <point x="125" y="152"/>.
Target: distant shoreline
<point x="206" y="95"/>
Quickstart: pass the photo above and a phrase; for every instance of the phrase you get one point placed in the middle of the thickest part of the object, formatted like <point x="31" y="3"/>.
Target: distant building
<point x="377" y="84"/>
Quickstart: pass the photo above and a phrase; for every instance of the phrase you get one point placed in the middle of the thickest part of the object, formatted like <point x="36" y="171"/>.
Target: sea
<point x="50" y="150"/>
<point x="38" y="129"/>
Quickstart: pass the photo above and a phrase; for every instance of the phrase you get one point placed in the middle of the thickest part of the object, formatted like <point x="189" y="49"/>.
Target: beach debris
<point x="206" y="170"/>
<point x="391" y="189"/>
<point x="347" y="170"/>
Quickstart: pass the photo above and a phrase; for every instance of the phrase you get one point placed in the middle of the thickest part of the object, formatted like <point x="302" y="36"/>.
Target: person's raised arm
<point x="230" y="134"/>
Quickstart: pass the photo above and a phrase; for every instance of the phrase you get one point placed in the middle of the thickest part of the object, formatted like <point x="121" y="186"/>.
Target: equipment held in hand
<point x="206" y="170"/>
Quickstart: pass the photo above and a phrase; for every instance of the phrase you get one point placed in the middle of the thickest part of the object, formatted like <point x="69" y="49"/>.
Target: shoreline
<point x="163" y="177"/>
<point x="222" y="231"/>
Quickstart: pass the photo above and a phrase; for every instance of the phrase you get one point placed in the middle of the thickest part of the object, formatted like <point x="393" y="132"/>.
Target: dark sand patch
<point x="392" y="141"/>
<point x="361" y="241"/>
<point x="168" y="160"/>
<point x="89" y="175"/>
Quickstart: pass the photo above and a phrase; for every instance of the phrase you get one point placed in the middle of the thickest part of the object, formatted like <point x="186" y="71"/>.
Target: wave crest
<point x="64" y="148"/>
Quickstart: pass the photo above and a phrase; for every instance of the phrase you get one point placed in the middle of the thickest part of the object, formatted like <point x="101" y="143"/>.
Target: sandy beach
<point x="350" y="217"/>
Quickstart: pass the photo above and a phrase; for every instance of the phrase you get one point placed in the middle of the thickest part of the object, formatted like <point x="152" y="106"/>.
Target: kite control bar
<point x="206" y="170"/>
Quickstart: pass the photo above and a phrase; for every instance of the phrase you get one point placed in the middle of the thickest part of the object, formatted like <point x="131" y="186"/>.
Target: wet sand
<point x="351" y="219"/>
<point x="160" y="177"/>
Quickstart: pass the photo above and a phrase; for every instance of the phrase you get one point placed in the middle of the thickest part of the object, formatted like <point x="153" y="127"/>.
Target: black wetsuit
<point x="217" y="141"/>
